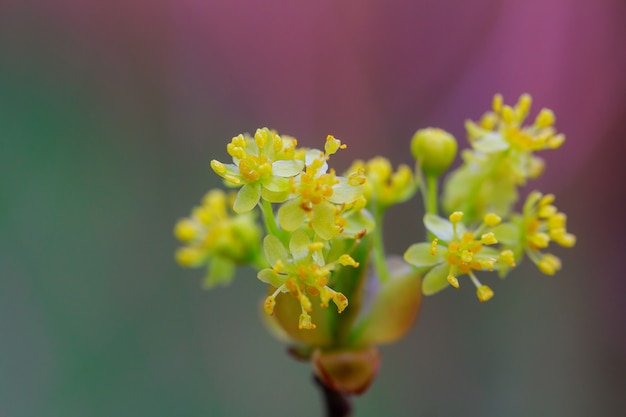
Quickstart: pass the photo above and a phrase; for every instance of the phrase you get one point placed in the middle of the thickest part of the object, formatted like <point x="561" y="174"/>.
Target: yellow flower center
<point x="253" y="168"/>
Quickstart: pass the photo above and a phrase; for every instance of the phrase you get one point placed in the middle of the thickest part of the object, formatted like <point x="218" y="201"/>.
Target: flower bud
<point x="434" y="149"/>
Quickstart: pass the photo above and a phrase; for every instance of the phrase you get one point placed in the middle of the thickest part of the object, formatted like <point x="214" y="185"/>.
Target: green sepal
<point x="291" y="215"/>
<point x="419" y="254"/>
<point x="439" y="226"/>
<point x="220" y="271"/>
<point x="436" y="279"/>
<point x="247" y="198"/>
<point x="394" y="307"/>
<point x="274" y="249"/>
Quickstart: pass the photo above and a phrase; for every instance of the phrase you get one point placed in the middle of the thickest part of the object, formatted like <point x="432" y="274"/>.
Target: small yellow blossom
<point x="261" y="167"/>
<point x="502" y="158"/>
<point x="542" y="223"/>
<point x="216" y="237"/>
<point x="320" y="197"/>
<point x="463" y="255"/>
<point x="504" y="127"/>
<point x="384" y="187"/>
<point x="301" y="271"/>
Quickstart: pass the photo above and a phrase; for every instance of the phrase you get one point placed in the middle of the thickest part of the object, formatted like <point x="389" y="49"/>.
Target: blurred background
<point x="110" y="112"/>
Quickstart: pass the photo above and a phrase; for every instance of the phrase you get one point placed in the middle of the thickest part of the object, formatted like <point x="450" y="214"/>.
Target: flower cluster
<point x="320" y="239"/>
<point x="482" y="192"/>
<point x="317" y="209"/>
<point x="501" y="159"/>
<point x="217" y="237"/>
<point x="462" y="253"/>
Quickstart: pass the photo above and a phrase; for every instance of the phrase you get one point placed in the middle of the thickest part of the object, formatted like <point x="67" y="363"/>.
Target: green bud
<point x="434" y="149"/>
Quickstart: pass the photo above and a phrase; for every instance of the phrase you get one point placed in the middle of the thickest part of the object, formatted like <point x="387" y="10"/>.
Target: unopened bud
<point x="434" y="149"/>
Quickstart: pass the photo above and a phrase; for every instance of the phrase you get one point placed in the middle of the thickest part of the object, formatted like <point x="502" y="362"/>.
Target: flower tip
<point x="218" y="167"/>
<point x="346" y="260"/>
<point x="484" y="293"/>
<point x="489" y="239"/>
<point x="492" y="219"/>
<point x="305" y="322"/>
<point x="341" y="301"/>
<point x="453" y="281"/>
<point x="185" y="230"/>
<point x="456" y="216"/>
<point x="269" y="304"/>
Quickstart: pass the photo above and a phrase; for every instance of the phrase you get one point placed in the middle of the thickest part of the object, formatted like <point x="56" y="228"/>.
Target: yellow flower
<point x="503" y="128"/>
<point x="384" y="187"/>
<point x="261" y="167"/>
<point x="464" y="253"/>
<point x="320" y="197"/>
<point x="303" y="272"/>
<point x="542" y="223"/>
<point x="216" y="237"/>
<point x="502" y="158"/>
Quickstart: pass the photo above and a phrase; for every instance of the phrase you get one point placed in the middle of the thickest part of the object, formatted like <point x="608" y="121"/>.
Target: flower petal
<point x="299" y="244"/>
<point x="291" y="215"/>
<point x="288" y="168"/>
<point x="344" y="193"/>
<point x="275" y="196"/>
<point x="220" y="272"/>
<point x="247" y="198"/>
<point x="269" y="276"/>
<point x="439" y="226"/>
<point x="419" y="254"/>
<point x="358" y="221"/>
<point x="507" y="234"/>
<point x="491" y="142"/>
<point x="274" y="249"/>
<point x="436" y="279"/>
<point x="276" y="184"/>
<point x="323" y="220"/>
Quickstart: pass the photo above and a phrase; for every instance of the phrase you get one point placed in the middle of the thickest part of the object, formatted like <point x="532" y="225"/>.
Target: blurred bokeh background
<point x="110" y="112"/>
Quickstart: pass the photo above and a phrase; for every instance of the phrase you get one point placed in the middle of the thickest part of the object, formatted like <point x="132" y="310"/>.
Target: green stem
<point x="470" y="202"/>
<point x="430" y="205"/>
<point x="430" y="202"/>
<point x="270" y="220"/>
<point x="380" y="263"/>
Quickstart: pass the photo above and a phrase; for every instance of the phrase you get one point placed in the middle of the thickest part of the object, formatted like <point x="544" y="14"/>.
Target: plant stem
<point x="379" y="248"/>
<point x="270" y="221"/>
<point x="337" y="404"/>
<point x="430" y="202"/>
<point x="430" y="205"/>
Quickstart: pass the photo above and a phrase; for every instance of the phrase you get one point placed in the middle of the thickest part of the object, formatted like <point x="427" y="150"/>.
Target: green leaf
<point x="394" y="308"/>
<point x="419" y="254"/>
<point x="247" y="198"/>
<point x="436" y="279"/>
